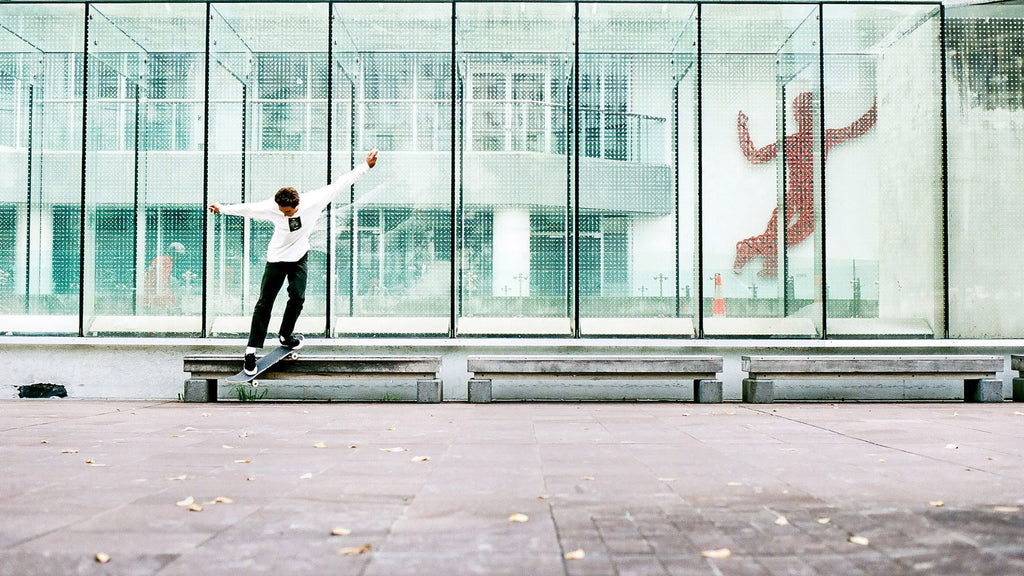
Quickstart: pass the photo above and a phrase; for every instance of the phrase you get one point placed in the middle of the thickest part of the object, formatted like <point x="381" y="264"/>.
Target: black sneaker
<point x="250" y="364"/>
<point x="295" y="341"/>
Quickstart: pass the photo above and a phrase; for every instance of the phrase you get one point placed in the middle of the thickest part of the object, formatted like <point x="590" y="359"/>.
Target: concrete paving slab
<point x="639" y="488"/>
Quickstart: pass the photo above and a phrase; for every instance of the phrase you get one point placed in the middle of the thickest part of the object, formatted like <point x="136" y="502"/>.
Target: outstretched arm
<point x="324" y="196"/>
<point x="754" y="155"/>
<point x="858" y="128"/>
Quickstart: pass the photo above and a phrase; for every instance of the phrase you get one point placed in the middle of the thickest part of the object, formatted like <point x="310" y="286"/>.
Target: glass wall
<point x="884" y="190"/>
<point x="41" y="74"/>
<point x="546" y="168"/>
<point x="985" y="119"/>
<point x="514" y="72"/>
<point x="392" y="236"/>
<point x="144" y="167"/>
<point x="636" y="244"/>
<point x="268" y="130"/>
<point x="761" y="171"/>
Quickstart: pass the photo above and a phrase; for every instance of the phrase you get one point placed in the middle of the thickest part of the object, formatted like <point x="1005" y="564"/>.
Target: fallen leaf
<point x="102" y="557"/>
<point x="587" y="478"/>
<point x="69" y="451"/>
<point x="182" y="477"/>
<point x="882" y="460"/>
<point x="186" y="502"/>
<point x="782" y="521"/>
<point x="859" y="540"/>
<point x="355" y="551"/>
<point x="195" y="508"/>
<point x="824" y="520"/>
<point x="1018" y="413"/>
<point x="227" y="446"/>
<point x="420" y="459"/>
<point x="44" y="441"/>
<point x="243" y="435"/>
<point x="190" y="429"/>
<point x="223" y="500"/>
<point x="577" y="554"/>
<point x="205" y="414"/>
<point x="937" y="503"/>
<point x="353" y="446"/>
<point x="519" y="518"/>
<point x="246" y="461"/>
<point x="951" y="446"/>
<point x="392" y="449"/>
<point x="340" y="531"/>
<point x="306" y="476"/>
<point x="250" y="478"/>
<point x="734" y="484"/>
<point x="543" y="497"/>
<point x="1010" y="509"/>
<point x="719" y="553"/>
<point x="319" y="445"/>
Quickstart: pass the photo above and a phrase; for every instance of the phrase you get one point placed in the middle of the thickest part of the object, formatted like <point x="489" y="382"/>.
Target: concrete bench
<point x="205" y="370"/>
<point x="977" y="372"/>
<point x="703" y="370"/>
<point x="1017" y="363"/>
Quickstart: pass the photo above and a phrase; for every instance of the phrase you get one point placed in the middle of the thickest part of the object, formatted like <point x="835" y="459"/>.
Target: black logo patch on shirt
<point x="294" y="223"/>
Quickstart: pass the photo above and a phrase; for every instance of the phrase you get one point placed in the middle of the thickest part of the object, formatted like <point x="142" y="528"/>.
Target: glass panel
<point x="636" y="83"/>
<point x="761" y="170"/>
<point x="40" y="167"/>
<point x="144" y="170"/>
<point x="985" y="120"/>
<point x="268" y="130"/>
<point x="392" y="236"/>
<point x="516" y="179"/>
<point x="883" y="106"/>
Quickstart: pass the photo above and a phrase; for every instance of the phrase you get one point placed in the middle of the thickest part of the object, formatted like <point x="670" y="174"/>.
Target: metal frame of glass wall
<point x="633" y="169"/>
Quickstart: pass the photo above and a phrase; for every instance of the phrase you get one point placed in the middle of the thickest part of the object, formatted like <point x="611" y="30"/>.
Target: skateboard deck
<point x="265" y="363"/>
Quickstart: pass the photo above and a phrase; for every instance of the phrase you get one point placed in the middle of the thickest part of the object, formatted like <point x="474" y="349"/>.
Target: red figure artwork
<point x="800" y="192"/>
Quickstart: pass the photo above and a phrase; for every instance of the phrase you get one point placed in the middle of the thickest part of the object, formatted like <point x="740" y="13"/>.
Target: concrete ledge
<point x="977" y="371"/>
<point x="757" y="391"/>
<point x="702" y="370"/>
<point x="208" y="369"/>
<point x="570" y="365"/>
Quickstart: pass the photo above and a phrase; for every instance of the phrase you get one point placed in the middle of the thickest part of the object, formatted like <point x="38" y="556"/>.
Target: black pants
<point x="273" y="278"/>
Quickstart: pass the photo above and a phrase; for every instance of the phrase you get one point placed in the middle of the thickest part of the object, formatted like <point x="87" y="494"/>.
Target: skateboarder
<point x="294" y="216"/>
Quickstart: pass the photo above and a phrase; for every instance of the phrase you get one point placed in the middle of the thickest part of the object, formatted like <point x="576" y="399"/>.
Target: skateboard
<point x="265" y="363"/>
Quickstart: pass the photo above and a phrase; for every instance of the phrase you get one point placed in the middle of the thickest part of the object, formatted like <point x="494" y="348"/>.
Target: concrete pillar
<point x="428" y="391"/>
<point x="983" y="390"/>
<point x="757" y="391"/>
<point x="1018" y="389"/>
<point x="200" y="390"/>
<point x="479" y="390"/>
<point x="707" y="391"/>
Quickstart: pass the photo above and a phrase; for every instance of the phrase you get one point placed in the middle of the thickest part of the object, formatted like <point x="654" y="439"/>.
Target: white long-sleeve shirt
<point x="290" y="240"/>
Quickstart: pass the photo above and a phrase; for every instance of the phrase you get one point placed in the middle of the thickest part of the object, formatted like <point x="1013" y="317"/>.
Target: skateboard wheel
<point x="255" y="383"/>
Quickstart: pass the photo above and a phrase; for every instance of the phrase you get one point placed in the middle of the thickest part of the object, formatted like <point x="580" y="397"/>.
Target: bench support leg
<point x="428" y="391"/>
<point x="479" y="390"/>
<point x="707" y="391"/>
<point x="756" y="391"/>
<point x="1018" y="389"/>
<point x="200" y="390"/>
<point x="983" y="390"/>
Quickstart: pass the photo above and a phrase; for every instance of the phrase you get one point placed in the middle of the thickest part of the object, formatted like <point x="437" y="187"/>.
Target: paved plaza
<point x="534" y="489"/>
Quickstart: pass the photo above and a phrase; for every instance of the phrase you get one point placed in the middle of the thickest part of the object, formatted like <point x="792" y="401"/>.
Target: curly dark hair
<point x="287" y="197"/>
